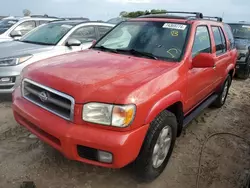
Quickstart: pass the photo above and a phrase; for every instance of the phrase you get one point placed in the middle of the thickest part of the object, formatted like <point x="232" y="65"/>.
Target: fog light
<point x="104" y="156"/>
<point x="237" y="66"/>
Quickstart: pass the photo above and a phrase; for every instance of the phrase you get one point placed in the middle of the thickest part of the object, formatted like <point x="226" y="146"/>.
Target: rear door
<point x="222" y="56"/>
<point x="200" y="80"/>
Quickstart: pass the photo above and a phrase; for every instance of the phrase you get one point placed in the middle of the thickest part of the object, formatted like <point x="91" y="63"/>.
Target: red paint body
<point x="152" y="85"/>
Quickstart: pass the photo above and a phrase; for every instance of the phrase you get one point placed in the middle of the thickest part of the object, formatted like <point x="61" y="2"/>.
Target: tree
<point x="26" y="12"/>
<point x="141" y="13"/>
<point x="123" y="14"/>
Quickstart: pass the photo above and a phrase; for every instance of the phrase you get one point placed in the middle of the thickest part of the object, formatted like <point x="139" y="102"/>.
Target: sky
<point x="231" y="10"/>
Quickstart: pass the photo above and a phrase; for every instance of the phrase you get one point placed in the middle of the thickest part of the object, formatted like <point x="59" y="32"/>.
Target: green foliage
<point x="141" y="13"/>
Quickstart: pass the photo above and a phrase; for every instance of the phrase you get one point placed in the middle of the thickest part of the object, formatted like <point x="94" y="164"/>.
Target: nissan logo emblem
<point x="43" y="96"/>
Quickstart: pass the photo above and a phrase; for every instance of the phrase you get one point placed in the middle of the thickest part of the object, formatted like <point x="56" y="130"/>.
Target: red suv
<point x="128" y="97"/>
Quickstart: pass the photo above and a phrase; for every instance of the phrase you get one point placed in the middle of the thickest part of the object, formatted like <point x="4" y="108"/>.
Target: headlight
<point x="107" y="114"/>
<point x="12" y="61"/>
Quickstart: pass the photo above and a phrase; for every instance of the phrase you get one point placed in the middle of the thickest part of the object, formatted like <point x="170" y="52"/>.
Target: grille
<point x="54" y="101"/>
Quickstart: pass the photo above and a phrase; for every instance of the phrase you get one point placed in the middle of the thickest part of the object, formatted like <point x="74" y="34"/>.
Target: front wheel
<point x="221" y="99"/>
<point x="157" y="147"/>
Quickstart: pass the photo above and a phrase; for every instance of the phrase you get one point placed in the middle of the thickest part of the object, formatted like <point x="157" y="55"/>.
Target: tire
<point x="146" y="166"/>
<point x="222" y="97"/>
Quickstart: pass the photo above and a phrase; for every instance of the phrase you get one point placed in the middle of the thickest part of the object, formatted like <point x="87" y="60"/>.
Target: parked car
<point x="13" y="28"/>
<point x="127" y="98"/>
<point x="48" y="40"/>
<point x="117" y="20"/>
<point x="241" y="33"/>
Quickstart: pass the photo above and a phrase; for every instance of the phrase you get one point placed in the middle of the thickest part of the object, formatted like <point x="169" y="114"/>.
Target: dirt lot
<point x="225" y="160"/>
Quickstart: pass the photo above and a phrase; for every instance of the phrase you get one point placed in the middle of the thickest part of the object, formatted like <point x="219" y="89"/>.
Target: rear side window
<point x="230" y="36"/>
<point x="219" y="40"/>
<point x="103" y="30"/>
<point x="224" y="41"/>
<point x="202" y="43"/>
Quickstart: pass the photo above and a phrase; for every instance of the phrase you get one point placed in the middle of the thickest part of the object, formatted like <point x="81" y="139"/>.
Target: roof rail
<point x="42" y="16"/>
<point x="197" y="14"/>
<point x="77" y="18"/>
<point x="218" y="19"/>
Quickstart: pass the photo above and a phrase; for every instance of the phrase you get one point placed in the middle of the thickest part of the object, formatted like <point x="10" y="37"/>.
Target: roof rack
<point x="42" y="16"/>
<point x="218" y="19"/>
<point x="168" y="15"/>
<point x="77" y="18"/>
<point x="197" y="14"/>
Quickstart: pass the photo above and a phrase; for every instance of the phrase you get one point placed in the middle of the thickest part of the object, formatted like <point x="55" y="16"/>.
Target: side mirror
<point x="93" y="43"/>
<point x="203" y="60"/>
<point x="73" y="42"/>
<point x="16" y="34"/>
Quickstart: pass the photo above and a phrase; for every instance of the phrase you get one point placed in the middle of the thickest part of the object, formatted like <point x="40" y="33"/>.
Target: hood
<point x="81" y="74"/>
<point x="17" y="48"/>
<point x="242" y="44"/>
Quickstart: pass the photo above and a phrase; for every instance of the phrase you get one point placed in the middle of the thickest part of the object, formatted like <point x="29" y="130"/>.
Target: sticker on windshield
<point x="174" y="26"/>
<point x="67" y="26"/>
<point x="246" y="26"/>
<point x="175" y="33"/>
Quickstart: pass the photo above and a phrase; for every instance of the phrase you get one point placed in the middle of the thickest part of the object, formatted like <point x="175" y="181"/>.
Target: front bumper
<point x="241" y="67"/>
<point x="65" y="136"/>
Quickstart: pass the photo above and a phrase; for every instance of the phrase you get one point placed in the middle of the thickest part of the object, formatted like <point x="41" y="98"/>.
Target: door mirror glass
<point x="73" y="42"/>
<point x="203" y="60"/>
<point x="16" y="34"/>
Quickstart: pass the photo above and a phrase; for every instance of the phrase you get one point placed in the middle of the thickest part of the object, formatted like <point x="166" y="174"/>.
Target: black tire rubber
<point x="144" y="165"/>
<point x="218" y="103"/>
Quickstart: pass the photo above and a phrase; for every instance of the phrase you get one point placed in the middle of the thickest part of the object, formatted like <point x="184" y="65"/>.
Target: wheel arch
<point x="173" y="103"/>
<point x="230" y="71"/>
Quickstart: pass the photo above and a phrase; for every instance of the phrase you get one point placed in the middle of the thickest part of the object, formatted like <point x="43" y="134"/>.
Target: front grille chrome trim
<point x="54" y="101"/>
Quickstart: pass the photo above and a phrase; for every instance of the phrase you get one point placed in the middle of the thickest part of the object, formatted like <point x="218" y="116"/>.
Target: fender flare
<point x="229" y="68"/>
<point x="162" y="104"/>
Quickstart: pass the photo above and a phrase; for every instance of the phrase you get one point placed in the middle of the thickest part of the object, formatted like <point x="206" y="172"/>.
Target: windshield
<point x="6" y="24"/>
<point x="158" y="40"/>
<point x="49" y="34"/>
<point x="241" y="31"/>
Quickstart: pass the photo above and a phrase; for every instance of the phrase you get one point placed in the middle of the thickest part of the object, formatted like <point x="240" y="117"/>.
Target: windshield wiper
<point x="240" y="37"/>
<point x="140" y="53"/>
<point x="103" y="48"/>
<point x="32" y="42"/>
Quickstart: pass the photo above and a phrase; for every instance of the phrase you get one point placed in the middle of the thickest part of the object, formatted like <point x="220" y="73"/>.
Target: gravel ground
<point x="225" y="160"/>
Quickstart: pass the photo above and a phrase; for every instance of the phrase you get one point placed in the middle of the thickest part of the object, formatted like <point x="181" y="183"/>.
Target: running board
<point x="199" y="109"/>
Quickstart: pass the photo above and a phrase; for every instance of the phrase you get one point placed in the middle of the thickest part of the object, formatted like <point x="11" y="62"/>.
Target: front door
<point x="200" y="80"/>
<point x="86" y="35"/>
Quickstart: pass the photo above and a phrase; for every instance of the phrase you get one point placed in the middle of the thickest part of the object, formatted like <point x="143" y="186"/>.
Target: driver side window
<point x="25" y="27"/>
<point x="84" y="34"/>
<point x="202" y="41"/>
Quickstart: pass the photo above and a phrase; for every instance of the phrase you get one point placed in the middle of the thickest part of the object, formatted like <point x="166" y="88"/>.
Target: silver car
<point x="45" y="41"/>
<point x="12" y="28"/>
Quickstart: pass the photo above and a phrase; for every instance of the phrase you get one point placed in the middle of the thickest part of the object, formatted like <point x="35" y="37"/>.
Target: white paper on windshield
<point x="174" y="26"/>
<point x="246" y="26"/>
<point x="67" y="26"/>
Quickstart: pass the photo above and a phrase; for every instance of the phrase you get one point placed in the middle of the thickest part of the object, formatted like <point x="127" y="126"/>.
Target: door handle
<point x="214" y="67"/>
